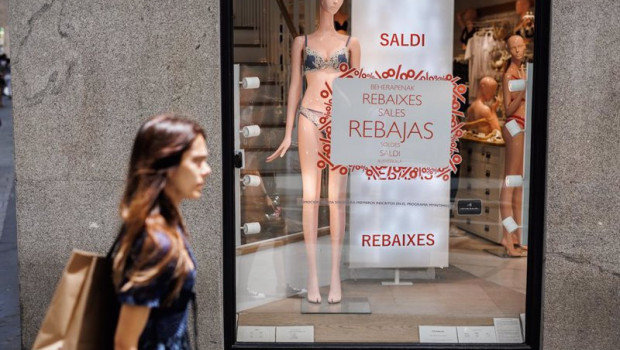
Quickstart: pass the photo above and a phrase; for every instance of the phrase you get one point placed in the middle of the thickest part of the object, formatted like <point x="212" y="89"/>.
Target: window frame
<point x="538" y="157"/>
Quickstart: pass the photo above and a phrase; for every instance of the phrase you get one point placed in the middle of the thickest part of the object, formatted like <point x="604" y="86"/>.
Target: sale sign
<point x="391" y="122"/>
<point x="396" y="126"/>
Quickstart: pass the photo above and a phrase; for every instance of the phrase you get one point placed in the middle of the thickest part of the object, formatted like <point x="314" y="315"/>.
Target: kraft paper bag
<point x="84" y="310"/>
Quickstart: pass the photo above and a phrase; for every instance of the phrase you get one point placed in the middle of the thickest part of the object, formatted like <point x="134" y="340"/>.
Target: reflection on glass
<point x="304" y="260"/>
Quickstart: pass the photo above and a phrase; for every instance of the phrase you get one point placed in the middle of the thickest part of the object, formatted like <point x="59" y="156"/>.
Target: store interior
<point x="486" y="276"/>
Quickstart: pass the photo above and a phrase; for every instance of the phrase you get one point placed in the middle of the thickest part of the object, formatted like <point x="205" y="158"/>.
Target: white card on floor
<point x="481" y="334"/>
<point x="295" y="334"/>
<point x="438" y="334"/>
<point x="508" y="330"/>
<point x="256" y="334"/>
<point x="522" y="317"/>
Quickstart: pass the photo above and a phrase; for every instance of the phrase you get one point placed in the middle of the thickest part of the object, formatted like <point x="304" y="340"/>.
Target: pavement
<point x="10" y="333"/>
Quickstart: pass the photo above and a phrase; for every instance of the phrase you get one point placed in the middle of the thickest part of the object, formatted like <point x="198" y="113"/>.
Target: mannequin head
<point x="522" y="6"/>
<point x="516" y="46"/>
<point x="487" y="88"/>
<point x="331" y="6"/>
<point x="470" y="16"/>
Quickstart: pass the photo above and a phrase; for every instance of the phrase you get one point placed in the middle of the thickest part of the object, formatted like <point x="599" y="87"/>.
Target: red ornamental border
<point x="391" y="172"/>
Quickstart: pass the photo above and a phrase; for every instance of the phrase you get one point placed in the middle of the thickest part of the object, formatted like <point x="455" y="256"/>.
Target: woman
<point x="320" y="55"/>
<point x="153" y="268"/>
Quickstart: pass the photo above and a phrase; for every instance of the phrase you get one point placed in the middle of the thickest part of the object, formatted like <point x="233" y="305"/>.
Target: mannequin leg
<point x="337" y="192"/>
<point x="517" y="195"/>
<point x="512" y="166"/>
<point x="308" y="136"/>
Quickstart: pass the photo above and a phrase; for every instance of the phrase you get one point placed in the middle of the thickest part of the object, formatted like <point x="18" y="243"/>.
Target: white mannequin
<point x="324" y="42"/>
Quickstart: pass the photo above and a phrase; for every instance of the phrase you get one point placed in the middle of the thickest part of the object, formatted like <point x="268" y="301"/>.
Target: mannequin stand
<point x="352" y="305"/>
<point x="396" y="281"/>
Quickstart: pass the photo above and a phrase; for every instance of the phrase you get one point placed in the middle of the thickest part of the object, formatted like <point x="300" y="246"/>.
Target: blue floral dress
<point x="166" y="328"/>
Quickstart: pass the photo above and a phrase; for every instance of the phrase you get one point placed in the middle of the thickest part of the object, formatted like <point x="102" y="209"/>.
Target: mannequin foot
<point x="516" y="242"/>
<point x="510" y="248"/>
<point x="314" y="295"/>
<point x="335" y="293"/>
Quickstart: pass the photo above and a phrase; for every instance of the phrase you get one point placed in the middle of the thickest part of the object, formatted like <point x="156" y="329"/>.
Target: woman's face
<point x="188" y="179"/>
<point x="331" y="6"/>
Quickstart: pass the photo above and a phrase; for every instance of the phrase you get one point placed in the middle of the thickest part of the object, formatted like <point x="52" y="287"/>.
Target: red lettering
<point x="386" y="240"/>
<point x="396" y="241"/>
<point x="351" y="128"/>
<point x="379" y="128"/>
<point x="414" y="130"/>
<point x="367" y="128"/>
<point x="394" y="40"/>
<point x="365" y="240"/>
<point x="421" y="240"/>
<point x="394" y="128"/>
<point x="431" y="240"/>
<point x="410" y="240"/>
<point x="384" y="39"/>
<point x="417" y="37"/>
<point x="429" y="130"/>
<point x="366" y="98"/>
<point x="375" y="240"/>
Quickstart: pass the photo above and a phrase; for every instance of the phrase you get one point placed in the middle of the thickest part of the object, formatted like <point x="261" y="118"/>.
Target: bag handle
<point x="195" y="314"/>
<point x="112" y="248"/>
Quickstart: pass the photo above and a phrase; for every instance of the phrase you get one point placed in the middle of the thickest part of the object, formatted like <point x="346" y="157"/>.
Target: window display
<point x="382" y="170"/>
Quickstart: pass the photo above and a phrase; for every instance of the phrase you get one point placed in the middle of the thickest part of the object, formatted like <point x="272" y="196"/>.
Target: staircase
<point x="262" y="39"/>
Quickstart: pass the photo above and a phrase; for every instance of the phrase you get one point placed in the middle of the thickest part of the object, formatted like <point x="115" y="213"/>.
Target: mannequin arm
<point x="356" y="57"/>
<point x="294" y="94"/>
<point x="511" y="105"/>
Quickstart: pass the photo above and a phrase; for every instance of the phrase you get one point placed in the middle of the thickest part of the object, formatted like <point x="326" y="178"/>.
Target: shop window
<point x="383" y="183"/>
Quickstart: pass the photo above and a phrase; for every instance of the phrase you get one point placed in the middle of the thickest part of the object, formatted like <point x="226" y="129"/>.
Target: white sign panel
<point x="402" y="222"/>
<point x="415" y="33"/>
<point x="508" y="330"/>
<point x="482" y="334"/>
<point x="391" y="122"/>
<point x="438" y="334"/>
<point x="295" y="334"/>
<point x="256" y="334"/>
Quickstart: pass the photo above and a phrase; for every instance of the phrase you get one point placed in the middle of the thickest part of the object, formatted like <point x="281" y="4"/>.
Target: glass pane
<point x="399" y="209"/>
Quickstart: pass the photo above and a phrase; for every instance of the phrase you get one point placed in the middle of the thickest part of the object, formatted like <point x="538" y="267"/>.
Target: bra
<point x="314" y="60"/>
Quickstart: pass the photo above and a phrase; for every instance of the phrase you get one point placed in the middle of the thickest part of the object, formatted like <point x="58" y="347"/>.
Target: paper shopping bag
<point x="84" y="310"/>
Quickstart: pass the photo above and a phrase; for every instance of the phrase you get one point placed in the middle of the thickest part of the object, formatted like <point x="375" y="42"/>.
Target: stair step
<point x="245" y="36"/>
<point x="264" y="116"/>
<point x="250" y="53"/>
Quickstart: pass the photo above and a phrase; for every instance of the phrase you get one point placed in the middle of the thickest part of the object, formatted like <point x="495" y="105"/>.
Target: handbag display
<point x="84" y="310"/>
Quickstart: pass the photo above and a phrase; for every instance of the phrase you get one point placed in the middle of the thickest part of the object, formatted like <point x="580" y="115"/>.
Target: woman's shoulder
<point x="156" y="238"/>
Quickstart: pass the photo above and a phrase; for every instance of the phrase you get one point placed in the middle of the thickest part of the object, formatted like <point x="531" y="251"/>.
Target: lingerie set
<point x="517" y="118"/>
<point x="313" y="61"/>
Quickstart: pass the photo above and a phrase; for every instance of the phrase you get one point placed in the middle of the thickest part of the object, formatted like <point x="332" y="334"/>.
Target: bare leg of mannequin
<point x="337" y="216"/>
<point x="513" y="165"/>
<point x="517" y="195"/>
<point x="308" y="136"/>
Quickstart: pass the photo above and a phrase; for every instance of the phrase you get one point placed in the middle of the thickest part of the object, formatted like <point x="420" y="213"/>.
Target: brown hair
<point x="158" y="147"/>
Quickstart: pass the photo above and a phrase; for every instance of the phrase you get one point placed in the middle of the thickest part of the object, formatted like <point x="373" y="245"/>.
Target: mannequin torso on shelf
<point x="317" y="57"/>
<point x="482" y="114"/>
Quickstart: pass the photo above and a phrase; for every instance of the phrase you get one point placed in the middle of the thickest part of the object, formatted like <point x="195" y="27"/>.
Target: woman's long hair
<point x="157" y="149"/>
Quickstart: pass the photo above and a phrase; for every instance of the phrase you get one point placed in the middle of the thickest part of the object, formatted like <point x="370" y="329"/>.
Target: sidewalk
<point x="9" y="283"/>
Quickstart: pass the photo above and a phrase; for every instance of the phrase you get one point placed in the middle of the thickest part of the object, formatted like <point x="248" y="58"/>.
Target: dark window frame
<point x="534" y="290"/>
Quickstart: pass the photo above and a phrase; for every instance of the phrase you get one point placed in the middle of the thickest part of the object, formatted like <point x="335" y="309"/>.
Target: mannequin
<point x="514" y="104"/>
<point x="482" y="116"/>
<point x="525" y="26"/>
<point x="341" y="22"/>
<point x="466" y="19"/>
<point x="319" y="54"/>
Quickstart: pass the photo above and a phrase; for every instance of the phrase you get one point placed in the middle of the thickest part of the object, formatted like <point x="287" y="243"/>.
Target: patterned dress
<point x="166" y="328"/>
